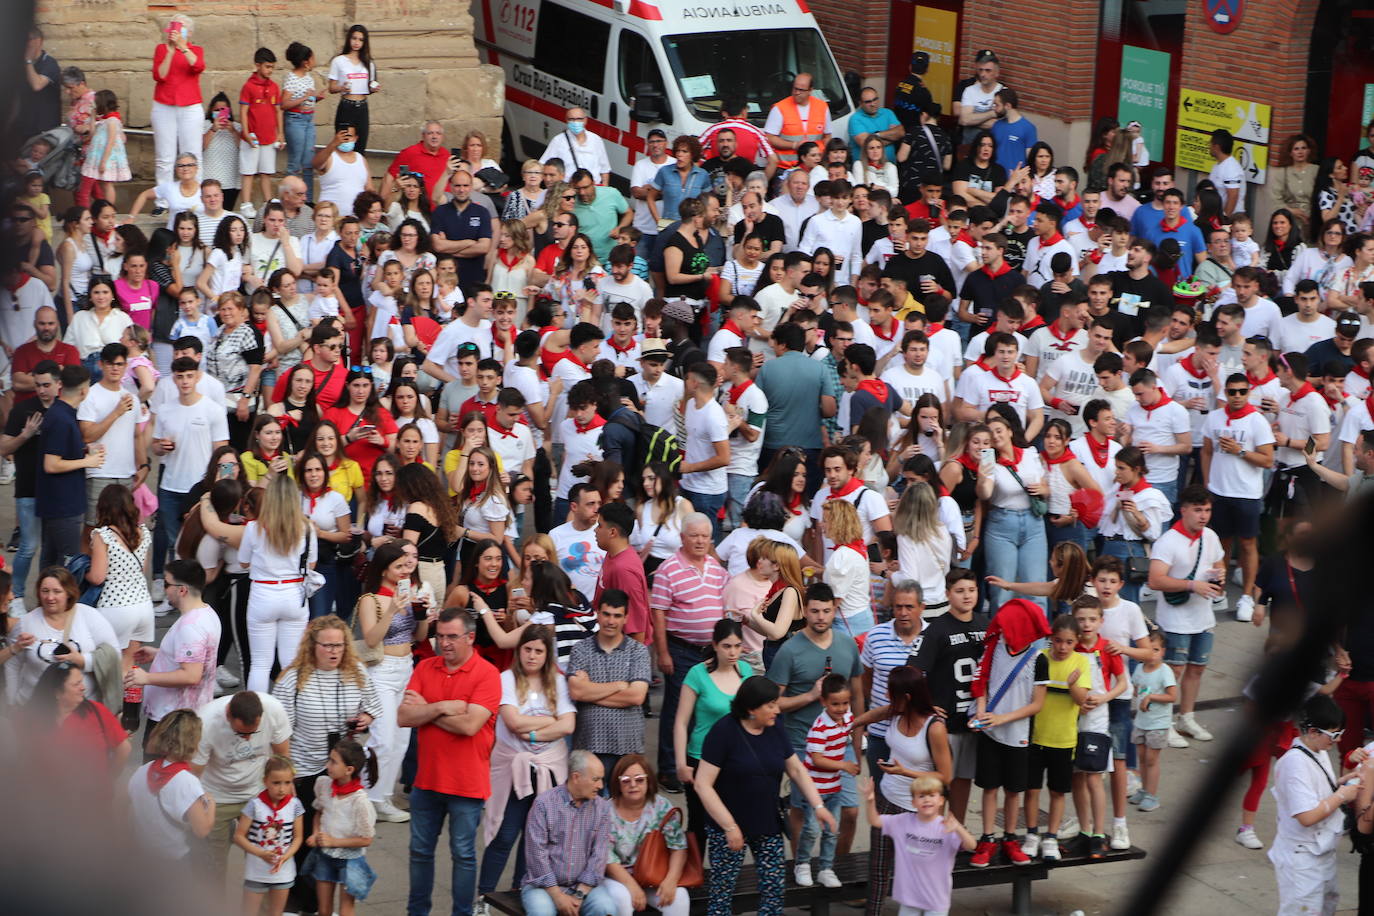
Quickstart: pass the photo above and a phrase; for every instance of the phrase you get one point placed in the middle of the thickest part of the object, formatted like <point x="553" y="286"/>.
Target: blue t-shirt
<point x="1158" y="681"/>
<point x="751" y="773"/>
<point x="473" y="223"/>
<point x="1013" y="142"/>
<point x="1189" y="239"/>
<point x="860" y="122"/>
<point x="672" y="190"/>
<point x="800" y="663"/>
<point x="61" y="495"/>
<point x="793" y="384"/>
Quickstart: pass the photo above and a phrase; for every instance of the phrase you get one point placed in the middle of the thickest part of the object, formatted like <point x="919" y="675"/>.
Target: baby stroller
<point x="61" y="167"/>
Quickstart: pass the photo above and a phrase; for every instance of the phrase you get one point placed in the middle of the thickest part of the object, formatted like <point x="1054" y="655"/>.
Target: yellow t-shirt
<point x="1056" y="724"/>
<point x="256" y="469"/>
<point x="451" y="460"/>
<point x="45" y="224"/>
<point x="347" y="478"/>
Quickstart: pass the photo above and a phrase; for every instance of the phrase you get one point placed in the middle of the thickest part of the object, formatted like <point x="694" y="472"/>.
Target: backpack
<point x="652" y="444"/>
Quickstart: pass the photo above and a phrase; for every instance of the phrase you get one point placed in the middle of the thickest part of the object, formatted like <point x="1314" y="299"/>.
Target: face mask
<point x="576" y="127"/>
<point x="346" y="147"/>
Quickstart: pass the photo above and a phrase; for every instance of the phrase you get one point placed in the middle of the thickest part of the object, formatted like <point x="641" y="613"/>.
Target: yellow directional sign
<point x="1206" y="111"/>
<point x="1194" y="152"/>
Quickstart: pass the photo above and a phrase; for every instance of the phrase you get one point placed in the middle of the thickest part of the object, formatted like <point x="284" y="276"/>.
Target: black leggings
<point x="353" y="114"/>
<point x="302" y="897"/>
<point x="230" y="602"/>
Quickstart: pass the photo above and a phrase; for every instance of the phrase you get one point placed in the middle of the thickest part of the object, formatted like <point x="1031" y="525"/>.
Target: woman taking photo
<point x="1332" y="197"/>
<point x="330" y="521"/>
<point x="1016" y="547"/>
<point x="92" y="328"/>
<point x="658" y="524"/>
<point x="482" y="507"/>
<point x="742" y="809"/>
<point x="392" y="616"/>
<point x="353" y="74"/>
<point x="411" y="203"/>
<point x="296" y="412"/>
<point x="219" y="149"/>
<point x="474" y="158"/>
<point x="637" y="809"/>
<point x="367" y="427"/>
<point x="573" y="286"/>
<point x="530" y="754"/>
<point x="58" y="630"/>
<point x="79" y="731"/>
<point x="177" y="66"/>
<point x="846" y="570"/>
<point x="924" y="546"/>
<point x="120" y="552"/>
<point x="345" y="475"/>
<point x="431" y="523"/>
<point x="706" y="695"/>
<point x="264" y="456"/>
<point x="236" y="359"/>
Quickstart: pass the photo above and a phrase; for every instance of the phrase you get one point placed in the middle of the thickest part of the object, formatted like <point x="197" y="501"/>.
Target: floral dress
<point x="107" y="135"/>
<point x="626" y="836"/>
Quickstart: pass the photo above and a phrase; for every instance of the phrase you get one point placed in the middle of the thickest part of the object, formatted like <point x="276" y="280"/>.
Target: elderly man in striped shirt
<point x="567" y="844"/>
<point x="687" y="599"/>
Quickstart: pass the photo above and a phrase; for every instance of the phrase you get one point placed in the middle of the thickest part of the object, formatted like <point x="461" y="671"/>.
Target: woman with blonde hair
<point x="475" y="158"/>
<point x="482" y="505"/>
<point x="846" y="572"/>
<point x="510" y="269"/>
<point x="767" y="598"/>
<point x="167" y="803"/>
<point x="924" y="546"/>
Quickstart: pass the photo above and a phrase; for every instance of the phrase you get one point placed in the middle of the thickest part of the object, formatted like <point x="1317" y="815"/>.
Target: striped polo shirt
<point x="692" y="599"/>
<point x="884" y="650"/>
<point x="829" y="739"/>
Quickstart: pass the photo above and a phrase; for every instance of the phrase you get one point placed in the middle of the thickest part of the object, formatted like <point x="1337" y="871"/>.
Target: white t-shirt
<point x="480" y="516"/>
<point x="1231" y="475"/>
<point x="233" y="765"/>
<point x="571" y="373"/>
<point x="945" y="348"/>
<point x="195" y="429"/>
<point x="773" y="301"/>
<point x="1124" y="623"/>
<point x="641" y="177"/>
<point x="1181" y="553"/>
<point x="1301" y="419"/>
<point x="1159" y="426"/>
<point x="1049" y="349"/>
<point x="1227" y="175"/>
<point x="119" y="438"/>
<point x="1295" y="336"/>
<point x="386" y="321"/>
<point x="535" y="389"/>
<point x="978" y="99"/>
<point x="911" y="386"/>
<point x="721" y="341"/>
<point x="270" y="254"/>
<point x="706" y="426"/>
<point x="444" y="352"/>
<point x="744" y="455"/>
<point x="1074" y="382"/>
<point x="166" y="392"/>
<point x="160" y="823"/>
<point x="1040" y="256"/>
<point x="867" y="502"/>
<point x="660" y="399"/>
<point x="577" y="448"/>
<point x="983" y="389"/>
<point x="265" y="563"/>
<point x="974" y="351"/>
<point x="1182" y="385"/>
<point x="514" y="448"/>
<point x="272" y="830"/>
<point x="534" y="704"/>
<point x="228" y="271"/>
<point x="579" y="556"/>
<point x="634" y="291"/>
<point x="1262" y="319"/>
<point x="356" y="78"/>
<point x="192" y="639"/>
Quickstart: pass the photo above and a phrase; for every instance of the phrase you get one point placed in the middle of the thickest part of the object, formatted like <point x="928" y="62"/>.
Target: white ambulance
<point x="638" y="64"/>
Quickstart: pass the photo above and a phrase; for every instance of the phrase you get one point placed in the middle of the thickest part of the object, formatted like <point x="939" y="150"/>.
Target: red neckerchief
<point x="1190" y="368"/>
<point x="497" y="335"/>
<point x="1178" y="526"/>
<point x="1141" y="484"/>
<point x="568" y="355"/>
<point x="1099" y="452"/>
<point x="1087" y="225"/>
<point x="1239" y="414"/>
<point x="1067" y="205"/>
<point x="348" y="788"/>
<point x="1362" y="373"/>
<point x="335" y="465"/>
<point x="853" y="484"/>
<point x="1052" y="240"/>
<point x="19" y="283"/>
<point x="512" y="260"/>
<point x="1014" y="373"/>
<point x="477" y="489"/>
<point x="1369" y="403"/>
<point x="981" y="363"/>
<point x="487" y="588"/>
<point x="626" y="349"/>
<point x="993" y="275"/>
<point x="1303" y="391"/>
<point x="1256" y="382"/>
<point x="1033" y="322"/>
<point x="161" y="772"/>
<point x="501" y="430"/>
<point x="891" y="331"/>
<point x="794" y="503"/>
<point x="266" y="458"/>
<point x="858" y="547"/>
<point x="968" y="461"/>
<point x="1015" y="461"/>
<point x="314" y="496"/>
<point x="1063" y="338"/>
<point x="597" y="422"/>
<point x="385" y="592"/>
<point x="739" y="390"/>
<point x="964" y="237"/>
<point x="1164" y="224"/>
<point x="733" y="328"/>
<point x="935" y="327"/>
<point x="1163" y="399"/>
<point x="875" y="387"/>
<point x="272" y="806"/>
<point x="1332" y="402"/>
<point x="1064" y="456"/>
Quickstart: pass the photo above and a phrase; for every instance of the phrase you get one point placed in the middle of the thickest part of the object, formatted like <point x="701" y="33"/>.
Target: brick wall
<point x="857" y="33"/>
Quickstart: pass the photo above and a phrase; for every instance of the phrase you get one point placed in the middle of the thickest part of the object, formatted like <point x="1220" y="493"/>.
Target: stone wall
<point x="426" y="62"/>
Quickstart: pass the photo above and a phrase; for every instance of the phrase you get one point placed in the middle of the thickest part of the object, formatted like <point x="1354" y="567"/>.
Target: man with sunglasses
<point x="326" y="355"/>
<point x="1237" y="445"/>
<point x="565" y="225"/>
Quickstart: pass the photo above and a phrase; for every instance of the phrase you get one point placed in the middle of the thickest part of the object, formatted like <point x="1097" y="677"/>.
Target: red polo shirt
<point x="418" y="159"/>
<point x="27" y="356"/>
<point x="329" y="385"/>
<point x="449" y="763"/>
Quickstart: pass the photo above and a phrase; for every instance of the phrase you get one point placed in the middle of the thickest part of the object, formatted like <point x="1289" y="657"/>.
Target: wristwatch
<point x="577" y="893"/>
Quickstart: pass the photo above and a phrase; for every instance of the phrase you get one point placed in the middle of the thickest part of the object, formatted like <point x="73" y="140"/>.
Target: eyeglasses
<point x="569" y="197"/>
<point x="1334" y="736"/>
<point x="1237" y="392"/>
<point x="186" y="165"/>
<point x="329" y="346"/>
<point x="561" y="223"/>
<point x="801" y="88"/>
<point x="634" y="780"/>
<point x="330" y="646"/>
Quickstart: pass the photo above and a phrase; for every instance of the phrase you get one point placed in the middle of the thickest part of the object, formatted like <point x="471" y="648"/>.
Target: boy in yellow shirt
<point x="1054" y="735"/>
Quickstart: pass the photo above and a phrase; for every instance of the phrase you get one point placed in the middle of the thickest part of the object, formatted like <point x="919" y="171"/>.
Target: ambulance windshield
<point x="759" y="64"/>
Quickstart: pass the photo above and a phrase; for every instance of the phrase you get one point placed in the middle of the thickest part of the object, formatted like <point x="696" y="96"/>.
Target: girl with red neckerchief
<point x="483" y="509"/>
<point x="1064" y="473"/>
<point x="265" y="456"/>
<point x="270" y="832"/>
<point x="965" y="477"/>
<point x="367" y="427"/>
<point x="1015" y="544"/>
<point x="846" y="570"/>
<point x="483" y="587"/>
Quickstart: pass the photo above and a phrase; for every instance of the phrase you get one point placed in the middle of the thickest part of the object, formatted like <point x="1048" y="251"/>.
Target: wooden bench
<point x="852" y="870"/>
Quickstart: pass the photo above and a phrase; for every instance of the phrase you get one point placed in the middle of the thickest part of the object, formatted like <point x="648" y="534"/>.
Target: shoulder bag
<point x="1174" y="599"/>
<point x="311" y="579"/>
<point x="651" y="864"/>
<point x="1038" y="504"/>
<point x="368" y="655"/>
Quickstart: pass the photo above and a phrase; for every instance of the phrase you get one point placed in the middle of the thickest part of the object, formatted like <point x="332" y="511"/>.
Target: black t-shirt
<point x="1017" y="243"/>
<point x="694" y="261"/>
<point x="912" y="269"/>
<point x="949" y="651"/>
<point x="985" y="291"/>
<point x="872" y="231"/>
<point x="986" y="178"/>
<point x="1290" y="616"/>
<point x="770" y="228"/>
<point x="1049" y="299"/>
<point x="26" y="458"/>
<point x="1147" y="292"/>
<point x="909" y="100"/>
<point x="751" y="773"/>
<point x="715" y="167"/>
<point x="1325" y="351"/>
<point x="41" y="110"/>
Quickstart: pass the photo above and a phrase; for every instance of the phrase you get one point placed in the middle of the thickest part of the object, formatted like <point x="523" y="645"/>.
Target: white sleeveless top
<point x="1060" y="488"/>
<point x="911" y="752"/>
<point x="344" y="181"/>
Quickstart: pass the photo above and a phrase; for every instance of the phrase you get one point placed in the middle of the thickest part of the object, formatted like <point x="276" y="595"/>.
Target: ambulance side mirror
<point x="648" y="104"/>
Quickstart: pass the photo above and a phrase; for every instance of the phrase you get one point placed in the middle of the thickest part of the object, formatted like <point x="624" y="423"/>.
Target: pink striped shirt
<point x="829" y="739"/>
<point x="692" y="599"/>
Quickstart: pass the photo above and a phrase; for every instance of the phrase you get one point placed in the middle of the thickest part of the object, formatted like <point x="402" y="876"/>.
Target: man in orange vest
<point x="796" y="119"/>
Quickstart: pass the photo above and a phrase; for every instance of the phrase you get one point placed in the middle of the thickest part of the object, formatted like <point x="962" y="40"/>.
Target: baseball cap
<point x="920" y="62"/>
<point x="1348" y="325"/>
<point x="984" y="56"/>
<point x="679" y="310"/>
<point x="654" y="348"/>
<point x="656" y="132"/>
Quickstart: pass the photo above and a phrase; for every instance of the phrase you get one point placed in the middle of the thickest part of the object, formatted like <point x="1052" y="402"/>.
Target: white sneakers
<point x="7" y="471"/>
<point x="802" y="874"/>
<point x="1245" y="836"/>
<point x="388" y="812"/>
<point x="247" y="210"/>
<point x="1031" y="844"/>
<point x="827" y="878"/>
<point x="1121" y="838"/>
<point x="1175" y="739"/>
<point x="1245" y="609"/>
<point x="226" y="678"/>
<point x="1049" y="849"/>
<point x="1188" y="725"/>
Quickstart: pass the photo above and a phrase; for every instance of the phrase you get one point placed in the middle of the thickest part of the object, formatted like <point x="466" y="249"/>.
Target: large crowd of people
<point x="911" y="450"/>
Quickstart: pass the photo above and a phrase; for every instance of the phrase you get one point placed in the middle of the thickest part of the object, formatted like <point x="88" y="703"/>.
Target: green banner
<point x="1145" y="94"/>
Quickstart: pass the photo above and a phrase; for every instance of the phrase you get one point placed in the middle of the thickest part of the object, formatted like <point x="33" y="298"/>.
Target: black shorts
<point x="1235" y="517"/>
<point x="1053" y="765"/>
<point x="1001" y="766"/>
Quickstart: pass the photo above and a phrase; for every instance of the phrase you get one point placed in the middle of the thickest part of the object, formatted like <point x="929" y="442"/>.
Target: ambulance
<point x="634" y="65"/>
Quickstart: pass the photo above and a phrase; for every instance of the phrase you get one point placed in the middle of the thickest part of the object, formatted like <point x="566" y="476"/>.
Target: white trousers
<point x="176" y="130"/>
<point x="387" y="739"/>
<point x="1307" y="882"/>
<point x="681" y="905"/>
<point x="277" y="615"/>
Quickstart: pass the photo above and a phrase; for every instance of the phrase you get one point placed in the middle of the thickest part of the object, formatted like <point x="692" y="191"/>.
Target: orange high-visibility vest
<point x="794" y="131"/>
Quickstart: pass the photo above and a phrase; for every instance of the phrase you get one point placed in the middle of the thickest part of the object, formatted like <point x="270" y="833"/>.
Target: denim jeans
<point x="740" y="485"/>
<point x="323" y="601"/>
<point x="427" y="812"/>
<point x="709" y="504"/>
<point x="61" y="539"/>
<point x="1113" y="547"/>
<point x="811" y="827"/>
<point x="1169" y="489"/>
<point x="170" y="508"/>
<point x="29" y="536"/>
<point x="1014" y="542"/>
<point x="510" y="834"/>
<point x="537" y="902"/>
<point x="299" y="128"/>
<point x="684" y="657"/>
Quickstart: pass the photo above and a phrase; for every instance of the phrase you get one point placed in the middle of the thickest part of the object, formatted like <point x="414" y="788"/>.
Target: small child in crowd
<point x="36" y="196"/>
<point x="1055" y="734"/>
<point x="270" y="831"/>
<point x="107" y="159"/>
<point x="1093" y="756"/>
<point x="326" y="301"/>
<point x="345" y="823"/>
<point x="193" y="322"/>
<point x="925" y="845"/>
<point x="1244" y="249"/>
<point x="261" y="115"/>
<point x="1156" y="692"/>
<point x="826" y="742"/>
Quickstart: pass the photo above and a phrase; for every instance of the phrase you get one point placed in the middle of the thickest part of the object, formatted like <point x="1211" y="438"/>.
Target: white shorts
<point x="257" y="160"/>
<point x="131" y="623"/>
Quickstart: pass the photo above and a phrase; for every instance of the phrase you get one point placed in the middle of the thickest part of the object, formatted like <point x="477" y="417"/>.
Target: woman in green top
<point x="707" y="692"/>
